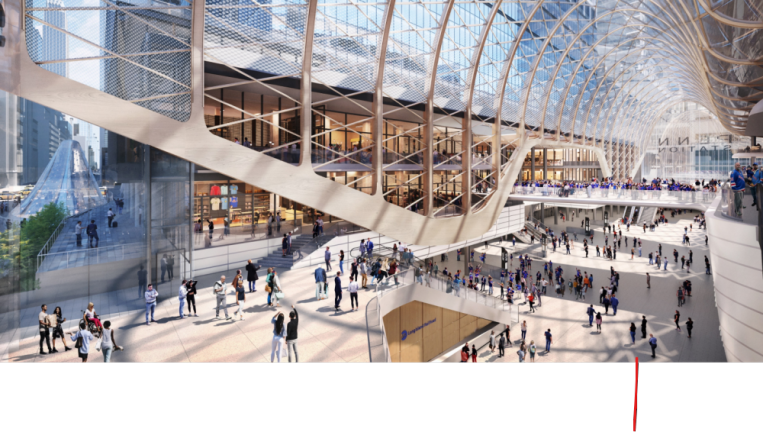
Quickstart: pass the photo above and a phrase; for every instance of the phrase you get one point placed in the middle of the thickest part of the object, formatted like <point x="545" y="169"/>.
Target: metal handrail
<point x="54" y="236"/>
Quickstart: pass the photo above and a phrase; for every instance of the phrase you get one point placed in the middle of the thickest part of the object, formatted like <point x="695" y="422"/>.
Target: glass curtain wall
<point x="130" y="205"/>
<point x="689" y="143"/>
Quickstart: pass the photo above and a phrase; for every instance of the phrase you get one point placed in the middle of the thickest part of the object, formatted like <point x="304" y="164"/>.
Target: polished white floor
<point x="575" y="341"/>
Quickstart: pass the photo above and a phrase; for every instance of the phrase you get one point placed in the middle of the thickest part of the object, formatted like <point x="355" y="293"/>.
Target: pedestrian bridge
<point x="700" y="200"/>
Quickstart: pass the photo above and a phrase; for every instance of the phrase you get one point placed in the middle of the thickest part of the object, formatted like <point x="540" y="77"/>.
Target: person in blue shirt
<point x="590" y="311"/>
<point x="320" y="283"/>
<point x="86" y="338"/>
<point x="757" y="178"/>
<point x="615" y="302"/>
<point x="369" y="248"/>
<point x="327" y="257"/>
<point x="548" y="340"/>
<point x="652" y="343"/>
<point x="737" y="185"/>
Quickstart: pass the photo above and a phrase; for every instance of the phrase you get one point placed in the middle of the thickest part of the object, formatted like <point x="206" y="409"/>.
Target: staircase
<point x="539" y="233"/>
<point x="647" y="216"/>
<point x="275" y="259"/>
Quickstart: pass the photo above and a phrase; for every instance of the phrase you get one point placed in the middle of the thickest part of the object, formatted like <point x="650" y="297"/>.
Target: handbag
<point x="80" y="341"/>
<point x="279" y="295"/>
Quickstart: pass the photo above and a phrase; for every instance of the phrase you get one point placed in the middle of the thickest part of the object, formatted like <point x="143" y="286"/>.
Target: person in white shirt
<point x="353" y="290"/>
<point x="86" y="338"/>
<point x="219" y="290"/>
<point x="150" y="296"/>
<point x="44" y="329"/>
<point x="110" y="215"/>
<point x="182" y="293"/>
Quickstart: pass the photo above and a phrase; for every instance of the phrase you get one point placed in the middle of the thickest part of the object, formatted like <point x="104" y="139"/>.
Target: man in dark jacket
<point x="92" y="233"/>
<point x="251" y="275"/>
<point x="337" y="291"/>
<point x="291" y="334"/>
<point x="643" y="326"/>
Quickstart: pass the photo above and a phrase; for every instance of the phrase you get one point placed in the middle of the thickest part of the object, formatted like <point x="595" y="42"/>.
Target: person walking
<point x="532" y="349"/>
<point x="337" y="291"/>
<point x="221" y="301"/>
<point x="78" y="233"/>
<point x="548" y="336"/>
<point x="590" y="312"/>
<point x="327" y="257"/>
<point x="238" y="286"/>
<point x="151" y="295"/>
<point x="251" y="275"/>
<point x="531" y="300"/>
<point x="648" y="281"/>
<point x="182" y="294"/>
<point x="92" y="233"/>
<point x="44" y="325"/>
<point x="521" y="354"/>
<point x="501" y="346"/>
<point x="524" y="330"/>
<point x="363" y="268"/>
<point x="190" y="297"/>
<point x="341" y="261"/>
<point x="491" y="342"/>
<point x="474" y="354"/>
<point x="632" y="330"/>
<point x="82" y="340"/>
<point x="291" y="334"/>
<point x="614" y="302"/>
<point x="352" y="288"/>
<point x="279" y="333"/>
<point x="320" y="284"/>
<point x="689" y="326"/>
<point x="677" y="317"/>
<point x="643" y="326"/>
<point x="680" y="296"/>
<point x="275" y="288"/>
<point x="652" y="344"/>
<point x="465" y="353"/>
<point x="109" y="343"/>
<point x="56" y="320"/>
<point x="598" y="321"/>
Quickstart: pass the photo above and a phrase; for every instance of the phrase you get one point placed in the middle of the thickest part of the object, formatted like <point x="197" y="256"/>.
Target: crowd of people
<point x="605" y="187"/>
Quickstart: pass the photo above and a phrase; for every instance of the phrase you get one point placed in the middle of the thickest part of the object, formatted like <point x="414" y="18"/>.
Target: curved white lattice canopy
<point x="495" y="77"/>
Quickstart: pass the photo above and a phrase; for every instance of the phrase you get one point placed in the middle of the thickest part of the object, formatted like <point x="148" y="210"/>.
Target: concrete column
<point x="545" y="164"/>
<point x="542" y="213"/>
<point x="556" y="215"/>
<point x="594" y="215"/>
<point x="532" y="165"/>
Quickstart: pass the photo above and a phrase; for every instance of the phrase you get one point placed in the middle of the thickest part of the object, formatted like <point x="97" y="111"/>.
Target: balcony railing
<point x="667" y="196"/>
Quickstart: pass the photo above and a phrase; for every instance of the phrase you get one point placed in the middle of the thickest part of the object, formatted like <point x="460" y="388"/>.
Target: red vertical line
<point x="635" y="399"/>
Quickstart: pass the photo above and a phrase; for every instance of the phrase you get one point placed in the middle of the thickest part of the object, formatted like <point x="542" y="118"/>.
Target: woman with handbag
<point x="109" y="343"/>
<point x="277" y="292"/>
<point x="269" y="285"/>
<point x="82" y="339"/>
<point x="393" y="271"/>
